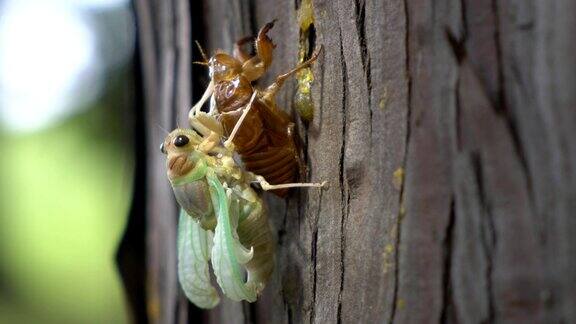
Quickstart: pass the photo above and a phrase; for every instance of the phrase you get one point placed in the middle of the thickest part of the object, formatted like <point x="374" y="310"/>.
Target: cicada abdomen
<point x="254" y="230"/>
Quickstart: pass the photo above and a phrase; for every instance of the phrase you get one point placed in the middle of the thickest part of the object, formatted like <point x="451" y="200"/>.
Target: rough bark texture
<point x="473" y="101"/>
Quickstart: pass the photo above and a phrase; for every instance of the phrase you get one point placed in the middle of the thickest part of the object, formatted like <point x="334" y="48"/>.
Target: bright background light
<point x="46" y="50"/>
<point x="66" y="93"/>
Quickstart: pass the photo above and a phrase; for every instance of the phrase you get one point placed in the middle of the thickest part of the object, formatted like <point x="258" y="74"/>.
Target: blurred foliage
<point x="64" y="199"/>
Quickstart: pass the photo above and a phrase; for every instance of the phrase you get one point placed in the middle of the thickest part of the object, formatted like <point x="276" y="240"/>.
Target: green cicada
<point x="222" y="220"/>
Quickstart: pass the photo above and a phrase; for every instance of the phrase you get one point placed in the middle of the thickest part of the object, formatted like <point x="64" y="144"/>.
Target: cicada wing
<point x="228" y="255"/>
<point x="194" y="245"/>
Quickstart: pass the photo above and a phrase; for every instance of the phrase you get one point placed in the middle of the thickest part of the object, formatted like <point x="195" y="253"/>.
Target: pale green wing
<point x="228" y="254"/>
<point x="194" y="245"/>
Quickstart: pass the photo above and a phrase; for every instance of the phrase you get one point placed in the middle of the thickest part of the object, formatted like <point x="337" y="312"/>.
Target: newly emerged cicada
<point x="268" y="143"/>
<point x="223" y="220"/>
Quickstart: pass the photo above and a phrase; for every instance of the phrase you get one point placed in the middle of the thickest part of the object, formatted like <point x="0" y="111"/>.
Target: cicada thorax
<point x="266" y="141"/>
<point x="194" y="198"/>
<point x="186" y="173"/>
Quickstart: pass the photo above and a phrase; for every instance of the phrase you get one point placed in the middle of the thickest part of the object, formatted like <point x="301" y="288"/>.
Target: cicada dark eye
<point x="162" y="148"/>
<point x="181" y="140"/>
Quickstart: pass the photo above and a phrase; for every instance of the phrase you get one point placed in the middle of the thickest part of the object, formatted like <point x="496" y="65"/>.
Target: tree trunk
<point x="444" y="129"/>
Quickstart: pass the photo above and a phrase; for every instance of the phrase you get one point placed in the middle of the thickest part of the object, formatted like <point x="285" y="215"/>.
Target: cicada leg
<point x="209" y="142"/>
<point x="266" y="186"/>
<point x="264" y="45"/>
<point x="198" y="106"/>
<point x="205" y="124"/>
<point x="228" y="142"/>
<point x="212" y="131"/>
<point x="270" y="92"/>
<point x="253" y="68"/>
<point x="239" y="52"/>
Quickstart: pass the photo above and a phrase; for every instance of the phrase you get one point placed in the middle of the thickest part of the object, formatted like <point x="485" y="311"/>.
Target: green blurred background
<point x="66" y="166"/>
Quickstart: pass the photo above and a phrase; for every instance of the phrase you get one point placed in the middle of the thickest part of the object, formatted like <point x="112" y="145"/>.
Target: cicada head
<point x="224" y="67"/>
<point x="181" y="148"/>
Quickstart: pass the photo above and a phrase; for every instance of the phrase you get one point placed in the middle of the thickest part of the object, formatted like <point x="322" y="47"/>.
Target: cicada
<point x="223" y="219"/>
<point x="268" y="144"/>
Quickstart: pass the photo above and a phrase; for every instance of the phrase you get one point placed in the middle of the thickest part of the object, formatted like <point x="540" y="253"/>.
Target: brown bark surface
<point x="445" y="130"/>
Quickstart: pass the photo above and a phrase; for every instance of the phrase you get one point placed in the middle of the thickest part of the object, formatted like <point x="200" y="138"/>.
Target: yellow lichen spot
<point x="387" y="258"/>
<point x="400" y="303"/>
<point x="384" y="100"/>
<point x="398" y="178"/>
<point x="389" y="248"/>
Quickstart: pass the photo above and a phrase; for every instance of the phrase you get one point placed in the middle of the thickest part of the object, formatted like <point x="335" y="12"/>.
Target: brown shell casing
<point x="266" y="141"/>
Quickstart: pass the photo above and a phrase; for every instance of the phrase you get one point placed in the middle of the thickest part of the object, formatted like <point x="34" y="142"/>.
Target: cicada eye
<point x="162" y="148"/>
<point x="181" y="140"/>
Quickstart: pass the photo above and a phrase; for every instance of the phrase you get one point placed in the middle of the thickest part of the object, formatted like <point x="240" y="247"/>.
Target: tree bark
<point x="444" y="129"/>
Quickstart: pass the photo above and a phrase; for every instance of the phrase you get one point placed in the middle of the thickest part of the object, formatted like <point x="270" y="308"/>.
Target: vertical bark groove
<point x="344" y="200"/>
